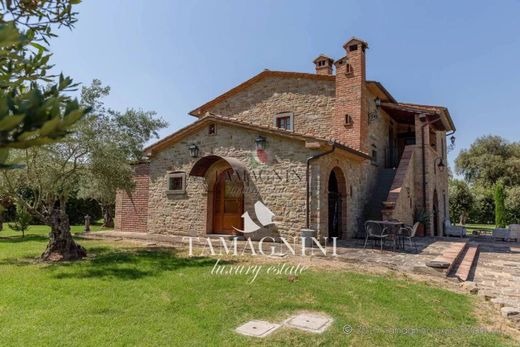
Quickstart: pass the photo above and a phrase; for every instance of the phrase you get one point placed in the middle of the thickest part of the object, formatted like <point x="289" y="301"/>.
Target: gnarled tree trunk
<point x="61" y="245"/>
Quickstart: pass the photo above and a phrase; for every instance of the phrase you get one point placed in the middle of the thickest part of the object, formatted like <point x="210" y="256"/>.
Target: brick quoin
<point x="132" y="209"/>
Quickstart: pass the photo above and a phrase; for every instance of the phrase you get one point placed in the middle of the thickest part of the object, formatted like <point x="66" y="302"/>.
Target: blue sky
<point x="172" y="56"/>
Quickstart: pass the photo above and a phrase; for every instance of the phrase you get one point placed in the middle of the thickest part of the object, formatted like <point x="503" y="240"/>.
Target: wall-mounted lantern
<point x="451" y="147"/>
<point x="374" y="115"/>
<point x="441" y="164"/>
<point x="194" y="150"/>
<point x="377" y="101"/>
<point x="260" y="142"/>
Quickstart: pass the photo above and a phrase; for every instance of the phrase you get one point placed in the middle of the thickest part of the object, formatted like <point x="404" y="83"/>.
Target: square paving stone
<point x="311" y="322"/>
<point x="257" y="328"/>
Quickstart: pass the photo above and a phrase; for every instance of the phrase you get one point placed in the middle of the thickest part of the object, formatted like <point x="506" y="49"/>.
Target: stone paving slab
<point x="497" y="276"/>
<point x="311" y="322"/>
<point x="257" y="328"/>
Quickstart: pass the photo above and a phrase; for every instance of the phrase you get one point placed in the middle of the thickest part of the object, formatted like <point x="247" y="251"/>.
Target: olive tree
<point x="118" y="141"/>
<point x="94" y="159"/>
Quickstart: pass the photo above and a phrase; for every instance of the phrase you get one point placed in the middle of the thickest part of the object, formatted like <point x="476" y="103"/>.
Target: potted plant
<point x="422" y="216"/>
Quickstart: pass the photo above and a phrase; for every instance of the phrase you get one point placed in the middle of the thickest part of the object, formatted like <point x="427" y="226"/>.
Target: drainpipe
<point x="423" y="147"/>
<point x="307" y="176"/>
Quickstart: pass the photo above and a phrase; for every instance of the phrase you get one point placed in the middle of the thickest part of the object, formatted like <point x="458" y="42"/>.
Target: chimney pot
<point x="324" y="65"/>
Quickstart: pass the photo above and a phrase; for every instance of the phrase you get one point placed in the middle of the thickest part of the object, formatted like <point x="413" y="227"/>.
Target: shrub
<point x="22" y="220"/>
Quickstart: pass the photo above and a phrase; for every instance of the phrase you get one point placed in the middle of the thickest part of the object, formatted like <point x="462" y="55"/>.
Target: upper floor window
<point x="212" y="129"/>
<point x="284" y="121"/>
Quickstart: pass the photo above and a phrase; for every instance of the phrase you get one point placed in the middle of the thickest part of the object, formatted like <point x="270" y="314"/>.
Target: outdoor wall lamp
<point x="260" y="142"/>
<point x="373" y="115"/>
<point x="452" y="145"/>
<point x="441" y="164"/>
<point x="194" y="150"/>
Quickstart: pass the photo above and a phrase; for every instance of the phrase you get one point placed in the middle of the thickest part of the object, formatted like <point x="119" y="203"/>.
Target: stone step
<point x="449" y="257"/>
<point x="467" y="263"/>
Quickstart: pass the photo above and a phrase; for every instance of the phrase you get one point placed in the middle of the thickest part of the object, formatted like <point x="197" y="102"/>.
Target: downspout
<point x="307" y="177"/>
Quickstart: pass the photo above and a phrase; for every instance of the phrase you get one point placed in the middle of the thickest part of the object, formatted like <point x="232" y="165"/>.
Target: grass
<point x="125" y="295"/>
<point x="488" y="228"/>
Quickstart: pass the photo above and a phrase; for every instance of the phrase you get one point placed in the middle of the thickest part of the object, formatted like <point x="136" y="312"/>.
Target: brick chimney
<point x="323" y="65"/>
<point x="351" y="117"/>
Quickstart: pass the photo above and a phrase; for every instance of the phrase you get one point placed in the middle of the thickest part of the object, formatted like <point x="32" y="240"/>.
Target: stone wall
<point x="310" y="101"/>
<point x="279" y="184"/>
<point x="358" y="177"/>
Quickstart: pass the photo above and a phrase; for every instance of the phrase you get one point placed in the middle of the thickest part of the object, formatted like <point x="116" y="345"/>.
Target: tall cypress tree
<point x="500" y="208"/>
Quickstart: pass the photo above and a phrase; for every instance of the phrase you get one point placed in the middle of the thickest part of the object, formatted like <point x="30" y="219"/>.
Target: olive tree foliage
<point x="461" y="200"/>
<point x="484" y="207"/>
<point x="35" y="106"/>
<point x="512" y="205"/>
<point x="32" y="114"/>
<point x="117" y="142"/>
<point x="492" y="161"/>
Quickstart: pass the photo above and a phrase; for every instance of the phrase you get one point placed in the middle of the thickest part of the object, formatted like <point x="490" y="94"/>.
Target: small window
<point x="348" y="120"/>
<point x="284" y="121"/>
<point x="176" y="183"/>
<point x="352" y="48"/>
<point x="348" y="69"/>
<point x="212" y="129"/>
<point x="374" y="156"/>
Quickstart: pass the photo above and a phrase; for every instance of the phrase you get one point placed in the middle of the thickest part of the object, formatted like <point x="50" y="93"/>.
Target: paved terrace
<point x="496" y="276"/>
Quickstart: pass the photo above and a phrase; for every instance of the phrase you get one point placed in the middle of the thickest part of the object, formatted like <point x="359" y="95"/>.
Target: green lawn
<point x="488" y="228"/>
<point x="124" y="295"/>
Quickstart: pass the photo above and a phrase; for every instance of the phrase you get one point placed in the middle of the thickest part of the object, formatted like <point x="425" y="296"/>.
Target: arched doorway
<point x="435" y="214"/>
<point x="336" y="195"/>
<point x="224" y="179"/>
<point x="228" y="203"/>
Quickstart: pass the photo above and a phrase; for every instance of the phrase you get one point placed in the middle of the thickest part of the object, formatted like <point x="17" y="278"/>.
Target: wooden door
<point x="228" y="203"/>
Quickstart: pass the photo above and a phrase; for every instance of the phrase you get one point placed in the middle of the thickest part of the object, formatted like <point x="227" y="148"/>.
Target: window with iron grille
<point x="176" y="183"/>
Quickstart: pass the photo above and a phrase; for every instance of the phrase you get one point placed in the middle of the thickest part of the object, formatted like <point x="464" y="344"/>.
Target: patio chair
<point x="452" y="230"/>
<point x="408" y="233"/>
<point x="375" y="231"/>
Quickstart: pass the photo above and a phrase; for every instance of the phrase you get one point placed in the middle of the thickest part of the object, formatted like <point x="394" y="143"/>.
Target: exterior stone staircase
<point x="468" y="262"/>
<point x="373" y="209"/>
<point x="459" y="260"/>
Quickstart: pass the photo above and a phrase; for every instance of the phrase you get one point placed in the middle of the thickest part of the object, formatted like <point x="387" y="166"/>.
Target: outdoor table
<point x="393" y="227"/>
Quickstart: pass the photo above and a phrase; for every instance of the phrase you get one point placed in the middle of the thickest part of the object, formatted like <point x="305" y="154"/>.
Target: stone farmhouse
<point x="325" y="151"/>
